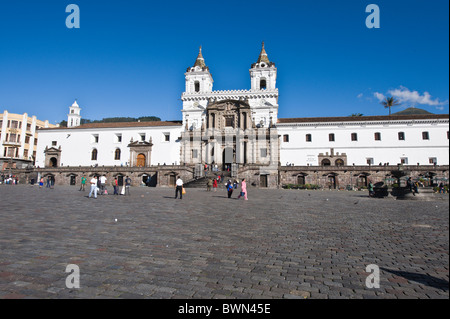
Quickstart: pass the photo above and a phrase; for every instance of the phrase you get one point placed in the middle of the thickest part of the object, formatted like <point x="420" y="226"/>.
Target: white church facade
<point x="240" y="132"/>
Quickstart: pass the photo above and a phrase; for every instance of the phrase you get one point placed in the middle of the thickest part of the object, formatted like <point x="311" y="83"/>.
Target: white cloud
<point x="379" y="96"/>
<point x="360" y="95"/>
<point x="404" y="95"/>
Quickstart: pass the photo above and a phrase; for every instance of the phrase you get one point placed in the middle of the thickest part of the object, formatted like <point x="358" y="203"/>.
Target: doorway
<point x="263" y="181"/>
<point x="140" y="162"/>
<point x="172" y="179"/>
<point x="332" y="183"/>
<point x="301" y="180"/>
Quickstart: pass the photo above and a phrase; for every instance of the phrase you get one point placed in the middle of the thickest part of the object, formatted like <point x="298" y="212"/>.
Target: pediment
<point x="228" y="105"/>
<point x="52" y="150"/>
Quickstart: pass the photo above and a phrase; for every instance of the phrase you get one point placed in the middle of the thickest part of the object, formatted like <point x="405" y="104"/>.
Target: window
<point x="401" y="136"/>
<point x="425" y="136"/>
<point x="12" y="138"/>
<point x="142" y="135"/>
<point x="95" y="138"/>
<point x="308" y="137"/>
<point x="286" y="138"/>
<point x="197" y="86"/>
<point x="404" y="160"/>
<point x="28" y="127"/>
<point x="331" y="137"/>
<point x="94" y="155"/>
<point x="432" y="160"/>
<point x="166" y="137"/>
<point x="377" y="136"/>
<point x="264" y="152"/>
<point x="354" y="136"/>
<point x="118" y="138"/>
<point x="27" y="140"/>
<point x="263" y="84"/>
<point x="117" y="154"/>
<point x="54" y="143"/>
<point x="229" y="121"/>
<point x="25" y="153"/>
<point x="369" y="161"/>
<point x="194" y="153"/>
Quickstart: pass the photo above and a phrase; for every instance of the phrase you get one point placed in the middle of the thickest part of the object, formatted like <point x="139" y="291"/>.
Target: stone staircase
<point x="202" y="181"/>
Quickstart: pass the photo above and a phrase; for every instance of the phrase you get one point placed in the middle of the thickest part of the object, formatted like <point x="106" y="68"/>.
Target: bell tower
<point x="199" y="84"/>
<point x="263" y="73"/>
<point x="198" y="78"/>
<point x="74" y="117"/>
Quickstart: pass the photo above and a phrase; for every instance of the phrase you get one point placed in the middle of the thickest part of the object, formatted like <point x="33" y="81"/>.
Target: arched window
<point x="117" y="154"/>
<point x="197" y="86"/>
<point x="326" y="162"/>
<point x="339" y="162"/>
<point x="263" y="84"/>
<point x="94" y="154"/>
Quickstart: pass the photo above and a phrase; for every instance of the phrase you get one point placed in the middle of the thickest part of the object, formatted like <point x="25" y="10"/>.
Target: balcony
<point x="11" y="143"/>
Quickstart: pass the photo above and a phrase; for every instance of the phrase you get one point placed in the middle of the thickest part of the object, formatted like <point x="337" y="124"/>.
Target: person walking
<point x="41" y="182"/>
<point x="441" y="188"/>
<point x="127" y="185"/>
<point x="179" y="188"/>
<point x="48" y="182"/>
<point x="115" y="185"/>
<point x="229" y="188"/>
<point x="103" y="184"/>
<point x="370" y="187"/>
<point x="83" y="183"/>
<point x="209" y="184"/>
<point x="243" y="189"/>
<point x="215" y="184"/>
<point x="94" y="186"/>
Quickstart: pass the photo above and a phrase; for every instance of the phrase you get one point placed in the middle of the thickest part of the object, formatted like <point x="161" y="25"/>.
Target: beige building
<point x="18" y="139"/>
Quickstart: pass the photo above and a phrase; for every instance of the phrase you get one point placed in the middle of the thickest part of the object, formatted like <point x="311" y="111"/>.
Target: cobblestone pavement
<point x="278" y="244"/>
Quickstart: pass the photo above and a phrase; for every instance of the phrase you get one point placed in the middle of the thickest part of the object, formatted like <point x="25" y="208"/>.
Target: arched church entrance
<point x="228" y="158"/>
<point x="53" y="162"/>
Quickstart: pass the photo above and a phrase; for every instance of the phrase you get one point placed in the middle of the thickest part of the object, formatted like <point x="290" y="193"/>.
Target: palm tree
<point x="390" y="102"/>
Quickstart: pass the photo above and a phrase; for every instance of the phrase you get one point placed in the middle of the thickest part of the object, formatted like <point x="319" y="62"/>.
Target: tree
<point x="357" y="114"/>
<point x="389" y="102"/>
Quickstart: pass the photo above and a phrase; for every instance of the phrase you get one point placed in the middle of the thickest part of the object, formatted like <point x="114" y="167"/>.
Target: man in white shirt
<point x="102" y="184"/>
<point x="179" y="188"/>
<point x="93" y="187"/>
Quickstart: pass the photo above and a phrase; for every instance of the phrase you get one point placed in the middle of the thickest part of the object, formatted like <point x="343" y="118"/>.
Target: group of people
<point x="231" y="186"/>
<point x="412" y="186"/>
<point x="50" y="182"/>
<point x="98" y="186"/>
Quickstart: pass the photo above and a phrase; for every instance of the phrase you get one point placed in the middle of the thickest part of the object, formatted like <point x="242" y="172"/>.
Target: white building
<point x="407" y="139"/>
<point x="241" y="128"/>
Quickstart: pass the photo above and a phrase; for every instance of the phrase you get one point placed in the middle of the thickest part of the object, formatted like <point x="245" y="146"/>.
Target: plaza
<point x="280" y="244"/>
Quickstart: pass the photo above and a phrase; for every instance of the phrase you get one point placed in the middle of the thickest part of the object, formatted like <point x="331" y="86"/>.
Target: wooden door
<point x="140" y="162"/>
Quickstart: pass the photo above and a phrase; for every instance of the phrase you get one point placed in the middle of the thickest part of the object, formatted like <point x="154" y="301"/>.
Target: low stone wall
<point x="340" y="177"/>
<point x="335" y="177"/>
<point x="160" y="176"/>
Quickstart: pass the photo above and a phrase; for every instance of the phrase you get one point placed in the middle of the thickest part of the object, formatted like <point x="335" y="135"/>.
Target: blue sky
<point x="128" y="58"/>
